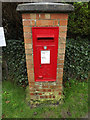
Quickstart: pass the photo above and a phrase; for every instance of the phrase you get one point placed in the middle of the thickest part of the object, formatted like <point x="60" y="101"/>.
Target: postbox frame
<point x="50" y="55"/>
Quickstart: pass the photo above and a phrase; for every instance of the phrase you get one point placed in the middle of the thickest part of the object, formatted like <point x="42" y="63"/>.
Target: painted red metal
<point x="45" y="41"/>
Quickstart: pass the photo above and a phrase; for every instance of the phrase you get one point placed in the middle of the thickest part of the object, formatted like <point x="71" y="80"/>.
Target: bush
<point x="78" y="24"/>
<point x="76" y="59"/>
<point x="14" y="55"/>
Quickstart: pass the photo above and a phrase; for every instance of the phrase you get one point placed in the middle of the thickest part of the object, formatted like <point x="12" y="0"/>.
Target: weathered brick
<point x="61" y="57"/>
<point x="30" y="66"/>
<point x="31" y="72"/>
<point x="26" y="23"/>
<point x="60" y="66"/>
<point x="29" y="57"/>
<point x="42" y="16"/>
<point x="28" y="46"/>
<point x="29" y="61"/>
<point x="63" y="22"/>
<point x="60" y="70"/>
<point x="33" y="16"/>
<point x="49" y="90"/>
<point x="62" y="34"/>
<point x="27" y="29"/>
<point x="46" y="96"/>
<point x="37" y="16"/>
<point x="44" y="22"/>
<point x="28" y="51"/>
<point x="27" y="40"/>
<point x="60" y="61"/>
<point x="45" y="86"/>
<point x="31" y="93"/>
<point x="62" y="28"/>
<point x="41" y="96"/>
<point x="61" y="46"/>
<point x="26" y="16"/>
<point x="60" y="75"/>
<point x="60" y="51"/>
<point x="47" y="16"/>
<point x="59" y="16"/>
<point x="27" y="35"/>
<point x="32" y="23"/>
<point x="53" y="96"/>
<point x="55" y="23"/>
<point x="40" y="93"/>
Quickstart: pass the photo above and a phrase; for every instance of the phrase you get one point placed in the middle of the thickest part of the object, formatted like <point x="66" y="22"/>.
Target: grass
<point x="75" y="103"/>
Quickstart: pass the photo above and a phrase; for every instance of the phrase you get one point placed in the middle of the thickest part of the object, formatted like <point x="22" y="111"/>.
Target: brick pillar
<point x="49" y="90"/>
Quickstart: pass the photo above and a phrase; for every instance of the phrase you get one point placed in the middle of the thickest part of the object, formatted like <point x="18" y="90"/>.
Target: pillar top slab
<point x="47" y="7"/>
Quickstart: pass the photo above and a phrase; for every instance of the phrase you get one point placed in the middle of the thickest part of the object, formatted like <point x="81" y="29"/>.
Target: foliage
<point x="79" y="20"/>
<point x="12" y="21"/>
<point x="75" y="103"/>
<point x="14" y="55"/>
<point x="76" y="59"/>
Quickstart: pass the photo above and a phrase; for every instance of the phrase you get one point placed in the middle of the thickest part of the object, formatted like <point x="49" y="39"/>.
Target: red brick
<point x="59" y="16"/>
<point x="63" y="22"/>
<point x="49" y="90"/>
<point x="27" y="29"/>
<point x="44" y="90"/>
<point x="32" y="83"/>
<point x="59" y="93"/>
<point x="49" y="96"/>
<point x="61" y="51"/>
<point x="60" y="70"/>
<point x="42" y="16"/>
<point x="29" y="61"/>
<point x="45" y="86"/>
<point x="41" y="96"/>
<point x="31" y="93"/>
<point x="47" y="16"/>
<point x="28" y="51"/>
<point x="32" y="22"/>
<point x="61" y="57"/>
<point x="46" y="96"/>
<point x="37" y="16"/>
<point x="62" y="34"/>
<point x="27" y="40"/>
<point x="31" y="71"/>
<point x="27" y="35"/>
<point x="28" y="46"/>
<point x="26" y="16"/>
<point x="62" y="40"/>
<point x="26" y="23"/>
<point x="33" y="16"/>
<point x="53" y="96"/>
<point x="60" y="61"/>
<point x="55" y="22"/>
<point x="62" y="29"/>
<point x="44" y="22"/>
<point x="29" y="57"/>
<point x="62" y="46"/>
<point x="60" y="66"/>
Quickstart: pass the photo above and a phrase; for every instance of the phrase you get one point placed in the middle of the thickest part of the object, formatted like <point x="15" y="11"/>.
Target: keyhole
<point x="40" y="66"/>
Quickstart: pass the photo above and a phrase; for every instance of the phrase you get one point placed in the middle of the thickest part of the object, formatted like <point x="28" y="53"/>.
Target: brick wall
<point x="45" y="90"/>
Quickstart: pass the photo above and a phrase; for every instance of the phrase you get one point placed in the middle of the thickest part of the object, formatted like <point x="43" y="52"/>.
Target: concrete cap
<point x="45" y="7"/>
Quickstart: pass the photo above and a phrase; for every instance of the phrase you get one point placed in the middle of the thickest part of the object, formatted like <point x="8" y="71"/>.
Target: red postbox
<point x="45" y="48"/>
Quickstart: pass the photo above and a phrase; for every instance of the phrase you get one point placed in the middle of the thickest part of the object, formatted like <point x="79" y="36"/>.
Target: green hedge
<point x="14" y="55"/>
<point x="78" y="24"/>
<point x="76" y="60"/>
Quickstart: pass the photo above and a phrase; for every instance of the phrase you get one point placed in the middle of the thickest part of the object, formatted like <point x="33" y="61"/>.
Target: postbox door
<point x="46" y="63"/>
